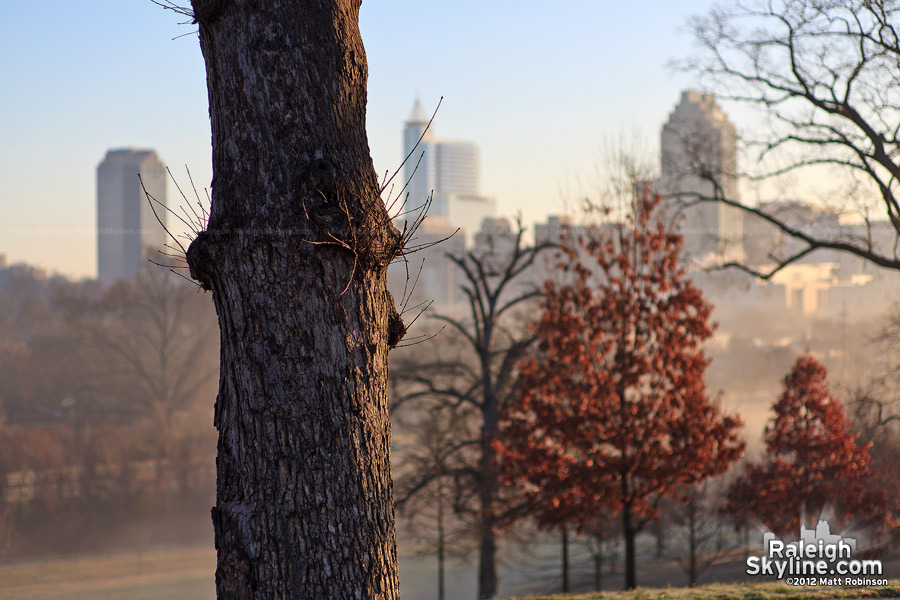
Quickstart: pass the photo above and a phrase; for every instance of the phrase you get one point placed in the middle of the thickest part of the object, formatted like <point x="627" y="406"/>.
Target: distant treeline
<point x="106" y="393"/>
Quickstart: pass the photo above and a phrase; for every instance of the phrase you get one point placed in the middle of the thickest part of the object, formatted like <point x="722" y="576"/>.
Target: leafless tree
<point x="696" y="538"/>
<point x="143" y="352"/>
<point x="872" y="403"/>
<point x="429" y="457"/>
<point x="824" y="75"/>
<point x="601" y="541"/>
<point x="474" y="371"/>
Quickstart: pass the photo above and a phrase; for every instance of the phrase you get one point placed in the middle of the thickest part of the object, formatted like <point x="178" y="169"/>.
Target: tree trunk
<point x="565" y="559"/>
<point x="295" y="254"/>
<point x="745" y="541"/>
<point x="487" y="568"/>
<point x="441" y="539"/>
<point x="629" y="533"/>
<point x="598" y="567"/>
<point x="487" y="572"/>
<point x="692" y="542"/>
<point x="489" y="478"/>
<point x="660" y="533"/>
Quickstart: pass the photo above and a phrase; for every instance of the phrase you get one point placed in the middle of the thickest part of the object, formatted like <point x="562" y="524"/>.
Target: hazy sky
<point x="538" y="86"/>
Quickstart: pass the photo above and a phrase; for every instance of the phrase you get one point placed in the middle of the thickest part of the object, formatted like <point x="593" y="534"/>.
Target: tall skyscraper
<point x="449" y="169"/>
<point x="127" y="231"/>
<point x="699" y="159"/>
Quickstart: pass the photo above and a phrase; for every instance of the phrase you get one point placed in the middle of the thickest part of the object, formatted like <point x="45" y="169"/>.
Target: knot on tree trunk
<point x="206" y="11"/>
<point x="200" y="259"/>
<point x="396" y="326"/>
<point x="344" y="215"/>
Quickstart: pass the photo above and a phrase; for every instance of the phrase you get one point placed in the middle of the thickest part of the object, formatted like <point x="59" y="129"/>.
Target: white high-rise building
<point x="449" y="170"/>
<point x="699" y="160"/>
<point x="127" y="230"/>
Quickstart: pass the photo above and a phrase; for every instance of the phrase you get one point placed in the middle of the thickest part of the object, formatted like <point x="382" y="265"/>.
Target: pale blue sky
<point x="537" y="85"/>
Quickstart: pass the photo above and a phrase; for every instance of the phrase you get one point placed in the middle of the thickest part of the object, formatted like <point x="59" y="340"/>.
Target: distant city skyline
<point x="540" y="88"/>
<point x="445" y="170"/>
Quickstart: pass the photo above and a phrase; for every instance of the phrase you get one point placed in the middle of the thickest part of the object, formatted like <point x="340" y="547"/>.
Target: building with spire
<point x="449" y="170"/>
<point x="127" y="230"/>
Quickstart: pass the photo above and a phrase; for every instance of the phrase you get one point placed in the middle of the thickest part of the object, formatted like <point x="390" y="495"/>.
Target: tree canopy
<point x="612" y="411"/>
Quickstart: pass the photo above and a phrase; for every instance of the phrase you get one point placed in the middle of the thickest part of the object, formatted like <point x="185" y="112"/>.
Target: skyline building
<point x="698" y="159"/>
<point x="127" y="230"/>
<point x="448" y="169"/>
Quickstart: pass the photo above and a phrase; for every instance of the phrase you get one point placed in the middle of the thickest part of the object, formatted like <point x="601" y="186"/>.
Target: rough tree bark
<point x="295" y="254"/>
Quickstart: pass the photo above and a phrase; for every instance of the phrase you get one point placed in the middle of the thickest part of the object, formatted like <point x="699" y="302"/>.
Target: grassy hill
<point x="743" y="591"/>
<point x="186" y="574"/>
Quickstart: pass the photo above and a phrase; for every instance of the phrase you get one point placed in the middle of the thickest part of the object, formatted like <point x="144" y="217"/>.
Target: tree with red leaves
<point x="612" y="412"/>
<point x="813" y="461"/>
